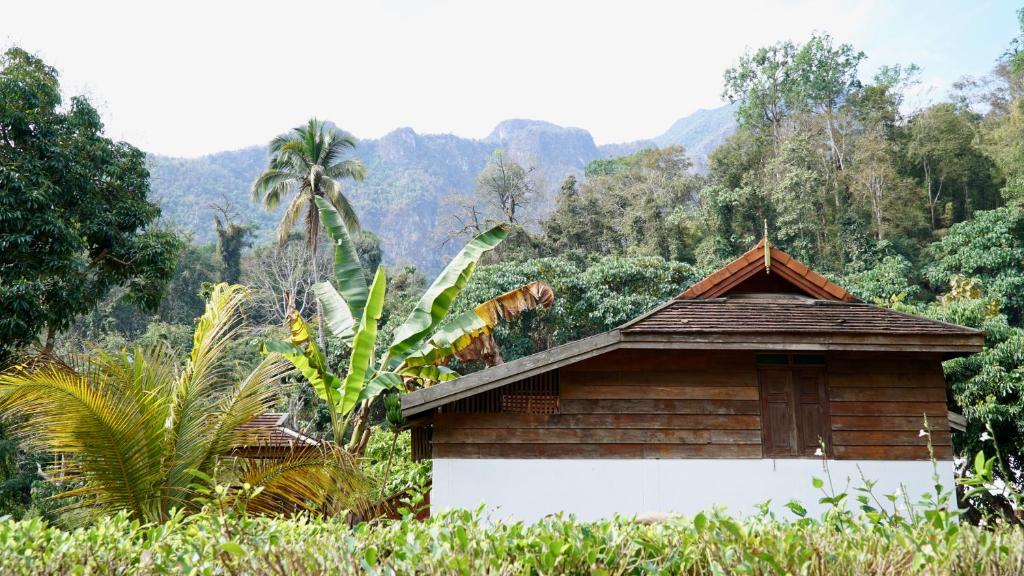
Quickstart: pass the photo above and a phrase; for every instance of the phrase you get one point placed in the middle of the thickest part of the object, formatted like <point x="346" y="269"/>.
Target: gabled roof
<point x="753" y="303"/>
<point x="754" y="269"/>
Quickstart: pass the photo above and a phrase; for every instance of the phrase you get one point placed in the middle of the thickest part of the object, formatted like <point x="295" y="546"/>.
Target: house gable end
<point x="765" y="268"/>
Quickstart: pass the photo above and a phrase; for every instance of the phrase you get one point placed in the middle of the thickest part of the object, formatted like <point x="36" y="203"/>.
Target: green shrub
<point x="464" y="543"/>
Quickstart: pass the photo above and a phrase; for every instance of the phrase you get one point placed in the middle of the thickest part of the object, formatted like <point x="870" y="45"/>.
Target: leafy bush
<point x="389" y="461"/>
<point x="464" y="543"/>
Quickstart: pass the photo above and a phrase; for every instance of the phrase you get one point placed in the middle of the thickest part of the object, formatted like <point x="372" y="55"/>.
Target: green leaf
<point x="457" y="332"/>
<point x="308" y="363"/>
<point x="979" y="462"/>
<point x="796" y="508"/>
<point x="232" y="548"/>
<point x="438" y="299"/>
<point x="348" y="272"/>
<point x="337" y="314"/>
<point x="430" y="373"/>
<point x="382" y="382"/>
<point x="363" y="345"/>
<point x="817" y="482"/>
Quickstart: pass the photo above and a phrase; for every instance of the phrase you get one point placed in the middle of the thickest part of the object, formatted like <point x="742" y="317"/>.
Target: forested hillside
<point x="411" y="177"/>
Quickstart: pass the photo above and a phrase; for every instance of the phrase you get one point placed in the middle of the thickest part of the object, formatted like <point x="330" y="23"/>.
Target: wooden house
<point x="738" y="391"/>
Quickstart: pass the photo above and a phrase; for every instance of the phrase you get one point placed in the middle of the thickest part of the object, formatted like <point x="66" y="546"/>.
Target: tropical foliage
<point x="421" y="344"/>
<point x="136" y="431"/>
<point x="466" y="543"/>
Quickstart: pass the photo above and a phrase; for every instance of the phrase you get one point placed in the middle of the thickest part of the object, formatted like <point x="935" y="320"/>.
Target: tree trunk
<point x="319" y="313"/>
<point x="51" y="336"/>
<point x="360" y="431"/>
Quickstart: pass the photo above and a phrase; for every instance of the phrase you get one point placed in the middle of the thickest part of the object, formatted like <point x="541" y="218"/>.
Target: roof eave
<point x="439" y="394"/>
<point x="966" y="343"/>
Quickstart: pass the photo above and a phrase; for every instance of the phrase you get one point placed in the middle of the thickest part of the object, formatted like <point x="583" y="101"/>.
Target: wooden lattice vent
<point x="534" y="395"/>
<point x="529" y="403"/>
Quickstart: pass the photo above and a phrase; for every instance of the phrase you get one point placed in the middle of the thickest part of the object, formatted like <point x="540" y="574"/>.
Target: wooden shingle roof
<point x="267" y="435"/>
<point x="786" y="314"/>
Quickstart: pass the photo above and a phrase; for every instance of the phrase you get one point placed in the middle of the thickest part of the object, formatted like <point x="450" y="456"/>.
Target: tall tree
<point x="942" y="146"/>
<point x="762" y="82"/>
<point x="309" y="163"/>
<point x="75" y="220"/>
<point x="232" y="238"/>
<point x="825" y="76"/>
<point x="638" y="204"/>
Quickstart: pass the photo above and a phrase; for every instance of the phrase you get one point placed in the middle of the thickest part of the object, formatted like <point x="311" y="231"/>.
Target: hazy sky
<point x="188" y="78"/>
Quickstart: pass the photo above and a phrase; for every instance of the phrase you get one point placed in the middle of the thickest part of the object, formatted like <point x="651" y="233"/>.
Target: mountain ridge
<point x="411" y="177"/>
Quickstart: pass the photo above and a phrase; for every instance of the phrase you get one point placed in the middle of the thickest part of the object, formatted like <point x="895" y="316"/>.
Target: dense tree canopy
<point x="75" y="220"/>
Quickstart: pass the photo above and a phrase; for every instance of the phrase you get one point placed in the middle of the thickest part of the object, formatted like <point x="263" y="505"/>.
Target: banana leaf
<point x="304" y="354"/>
<point x="464" y="335"/>
<point x="348" y="272"/>
<point x="435" y="303"/>
<point x="363" y="345"/>
<point x="337" y="316"/>
<point x="382" y="382"/>
<point x="430" y="373"/>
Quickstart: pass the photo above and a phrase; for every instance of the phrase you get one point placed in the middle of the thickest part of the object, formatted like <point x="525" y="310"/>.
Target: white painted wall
<point x="592" y="489"/>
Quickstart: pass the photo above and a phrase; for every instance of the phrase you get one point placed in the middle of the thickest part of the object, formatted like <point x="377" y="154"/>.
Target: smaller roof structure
<point x="753" y="272"/>
<point x="763" y="300"/>
<point x="268" y="437"/>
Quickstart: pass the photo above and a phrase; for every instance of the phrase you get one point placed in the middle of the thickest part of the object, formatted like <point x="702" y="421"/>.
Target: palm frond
<point x="198" y="390"/>
<point x="291" y="216"/>
<point x="323" y="479"/>
<point x="111" y="442"/>
<point x="337" y="144"/>
<point x="344" y="207"/>
<point x="271" y="185"/>
<point x="354" y="169"/>
<point x="254" y="396"/>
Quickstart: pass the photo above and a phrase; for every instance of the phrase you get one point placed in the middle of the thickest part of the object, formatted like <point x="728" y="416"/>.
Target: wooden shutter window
<point x="811" y="410"/>
<point x="794" y="411"/>
<point x="777" y="410"/>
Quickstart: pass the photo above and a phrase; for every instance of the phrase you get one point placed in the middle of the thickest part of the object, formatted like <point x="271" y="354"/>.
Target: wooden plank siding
<point x="625" y="404"/>
<point x="674" y="404"/>
<point x="879" y="404"/>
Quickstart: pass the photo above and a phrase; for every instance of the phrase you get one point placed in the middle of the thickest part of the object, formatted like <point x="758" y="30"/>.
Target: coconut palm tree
<point x="308" y="163"/>
<point x="137" y="430"/>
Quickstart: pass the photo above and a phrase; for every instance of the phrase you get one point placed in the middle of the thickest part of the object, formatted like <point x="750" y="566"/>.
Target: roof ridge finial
<point x="767" y="250"/>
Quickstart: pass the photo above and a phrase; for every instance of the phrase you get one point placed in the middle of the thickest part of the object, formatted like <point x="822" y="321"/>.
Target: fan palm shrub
<point x="137" y="430"/>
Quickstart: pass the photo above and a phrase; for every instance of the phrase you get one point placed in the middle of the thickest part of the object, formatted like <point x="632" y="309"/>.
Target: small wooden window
<point x="794" y="410"/>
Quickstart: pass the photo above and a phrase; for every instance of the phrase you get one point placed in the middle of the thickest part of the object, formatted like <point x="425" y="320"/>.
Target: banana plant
<point x="422" y="343"/>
